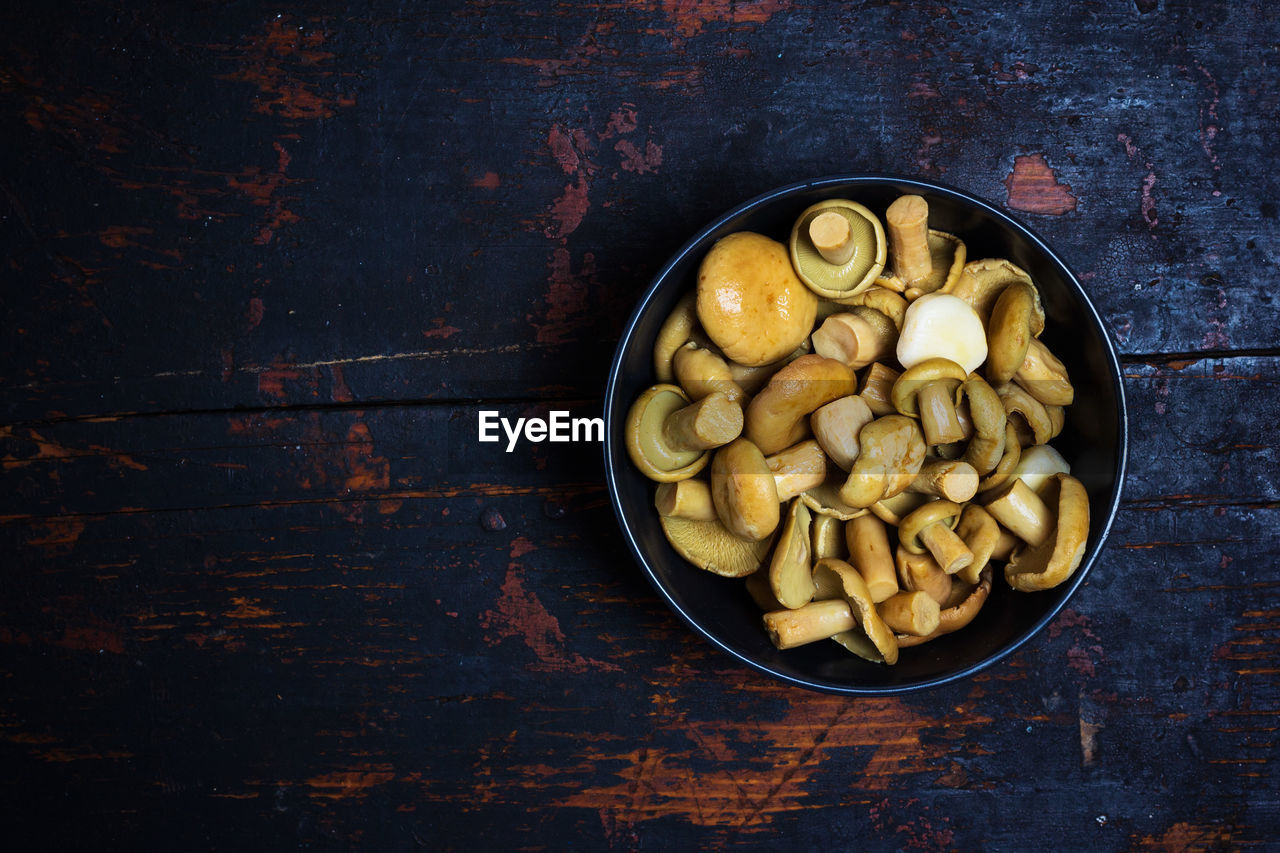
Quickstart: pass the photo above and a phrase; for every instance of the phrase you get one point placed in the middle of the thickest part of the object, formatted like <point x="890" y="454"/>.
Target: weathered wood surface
<point x="265" y="265"/>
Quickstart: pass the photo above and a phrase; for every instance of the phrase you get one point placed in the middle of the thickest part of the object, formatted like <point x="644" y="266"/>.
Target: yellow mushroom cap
<point x="750" y="302"/>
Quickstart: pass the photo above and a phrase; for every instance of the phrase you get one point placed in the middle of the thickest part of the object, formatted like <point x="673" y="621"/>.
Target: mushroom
<point x="948" y="254"/>
<point x="1038" y="464"/>
<point x="710" y="546"/>
<point x="1028" y="416"/>
<point x="914" y="613"/>
<point x="752" y="379"/>
<point x="869" y="553"/>
<point x="836" y="426"/>
<point x="668" y="438"/>
<point x="920" y="572"/>
<point x="907" y="222"/>
<point x="750" y="302"/>
<point x="952" y="479"/>
<point x="931" y="527"/>
<point x="888" y="302"/>
<point x="776" y="417"/>
<point x="1022" y="512"/>
<point x="927" y="390"/>
<point x="891" y="510"/>
<point x="673" y="333"/>
<point x="689" y="499"/>
<point x="1008" y="462"/>
<point x="1057" y="420"/>
<point x="1006" y="544"/>
<point x="743" y="490"/>
<point x="824" y="498"/>
<point x="837" y="579"/>
<point x="790" y="568"/>
<point x="1053" y="560"/>
<point x="797" y="469"/>
<point x="837" y="247"/>
<point x="757" y="585"/>
<point x="855" y="337"/>
<point x="815" y="621"/>
<point x="981" y="282"/>
<point x="892" y="451"/>
<point x="1044" y="376"/>
<point x="827" y="537"/>
<point x="701" y="372"/>
<point x="980" y="534"/>
<point x="1009" y="330"/>
<point x="876" y="389"/>
<point x="958" y="614"/>
<point x="987" y="416"/>
<point x="938" y="325"/>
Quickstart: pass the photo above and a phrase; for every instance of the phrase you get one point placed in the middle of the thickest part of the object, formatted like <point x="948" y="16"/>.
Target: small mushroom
<point x="668" y="437"/>
<point x="1044" y="376"/>
<point x="777" y="417"/>
<point x="674" y="332"/>
<point x="939" y="325"/>
<point x="797" y="469"/>
<point x="920" y="572"/>
<point x="1006" y="544"/>
<point x="818" y="620"/>
<point x="876" y="389"/>
<point x="888" y="302"/>
<point x="986" y="413"/>
<point x="743" y="491"/>
<point x="837" y="579"/>
<point x="1009" y="330"/>
<point x="855" y="337"/>
<point x="981" y="282"/>
<point x="750" y="302"/>
<point x="1029" y="417"/>
<point x="836" y="426"/>
<point x="980" y="534"/>
<point x="892" y="451"/>
<point x="827" y="537"/>
<point x="1005" y="467"/>
<point x="927" y="390"/>
<point x="932" y="528"/>
<point x="1057" y="420"/>
<point x="892" y="510"/>
<point x="1038" y="464"/>
<point x="824" y="498"/>
<point x="957" y="615"/>
<point x="689" y="499"/>
<point x="952" y="479"/>
<point x="790" y="568"/>
<point x="851" y="250"/>
<point x="1052" y="561"/>
<point x="708" y="545"/>
<point x="700" y="372"/>
<point x="869" y="553"/>
<point x="948" y="254"/>
<point x="914" y="613"/>
<point x="907" y="223"/>
<point x="1021" y="512"/>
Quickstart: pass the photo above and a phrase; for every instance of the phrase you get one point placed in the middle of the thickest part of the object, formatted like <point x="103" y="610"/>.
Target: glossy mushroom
<point x="1027" y="415"/>
<point x="674" y="332"/>
<point x="827" y="537"/>
<point x="818" y="620"/>
<point x="836" y="426"/>
<point x="1038" y="464"/>
<point x="743" y="491"/>
<point x="850" y="250"/>
<point x="913" y="613"/>
<point x="688" y="499"/>
<point x="777" y="417"/>
<point x="791" y="567"/>
<point x="1051" y="562"/>
<point x="701" y="372"/>
<point x="876" y="389"/>
<point x="980" y="534"/>
<point x="981" y="282"/>
<point x="797" y="469"/>
<point x="856" y="337"/>
<point x="1021" y="511"/>
<point x="927" y="390"/>
<point x="931" y="528"/>
<point x="891" y="453"/>
<point x="1044" y="376"/>
<point x="964" y="604"/>
<point x="837" y="579"/>
<point x="1009" y="330"/>
<point x="869" y="553"/>
<point x="987" y="416"/>
<point x="953" y="479"/>
<point x="749" y="300"/>
<point x="907" y="224"/>
<point x="668" y="437"/>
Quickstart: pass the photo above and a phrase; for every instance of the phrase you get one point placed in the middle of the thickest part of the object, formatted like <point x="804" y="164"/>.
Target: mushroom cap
<point x="834" y="578"/>
<point x="939" y="325"/>
<point x="824" y="499"/>
<point x="1031" y="412"/>
<point x="675" y="330"/>
<point x="776" y="417"/>
<point x="933" y="512"/>
<point x="986" y="413"/>
<point x="908" y="384"/>
<point x="646" y="439"/>
<point x="1009" y="324"/>
<point x="744" y="491"/>
<point x="1048" y="564"/>
<point x="1038" y="464"/>
<point x="710" y="546"/>
<point x="948" y="253"/>
<point x="892" y="510"/>
<point x="790" y="568"/>
<point x="860" y="271"/>
<point x="749" y="300"/>
<point x="892" y="451"/>
<point x="980" y="533"/>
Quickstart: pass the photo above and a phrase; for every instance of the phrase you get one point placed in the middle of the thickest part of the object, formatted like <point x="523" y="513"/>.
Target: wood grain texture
<point x="265" y="265"/>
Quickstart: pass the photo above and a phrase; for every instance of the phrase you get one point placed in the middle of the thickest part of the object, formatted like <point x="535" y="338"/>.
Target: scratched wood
<point x="265" y="265"/>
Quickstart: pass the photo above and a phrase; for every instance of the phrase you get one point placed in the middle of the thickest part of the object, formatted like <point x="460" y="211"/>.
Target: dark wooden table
<point x="264" y="264"/>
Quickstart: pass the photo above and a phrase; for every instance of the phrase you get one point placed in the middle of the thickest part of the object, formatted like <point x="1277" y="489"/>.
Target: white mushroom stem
<point x="798" y="469"/>
<point x="907" y="224"/>
<point x="869" y="553"/>
<point x="938" y="414"/>
<point x="947" y="548"/>
<point x="832" y="237"/>
<point x="953" y="479"/>
<point x="713" y="421"/>
<point x="689" y="499"/>
<point x="836" y="426"/>
<point x="1022" y="512"/>
<point x="851" y="339"/>
<point x="815" y="621"/>
<point x="877" y="389"/>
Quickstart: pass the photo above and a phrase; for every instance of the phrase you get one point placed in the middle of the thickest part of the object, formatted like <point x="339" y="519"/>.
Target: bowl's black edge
<point x="1081" y="573"/>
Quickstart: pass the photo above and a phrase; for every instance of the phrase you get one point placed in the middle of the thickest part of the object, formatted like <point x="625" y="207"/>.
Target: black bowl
<point x="1094" y="442"/>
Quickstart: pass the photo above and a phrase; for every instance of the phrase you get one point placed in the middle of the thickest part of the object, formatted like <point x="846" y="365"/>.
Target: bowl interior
<point x="1093" y="441"/>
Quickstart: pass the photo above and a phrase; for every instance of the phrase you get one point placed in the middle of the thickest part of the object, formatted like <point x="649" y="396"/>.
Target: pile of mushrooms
<point x="857" y="422"/>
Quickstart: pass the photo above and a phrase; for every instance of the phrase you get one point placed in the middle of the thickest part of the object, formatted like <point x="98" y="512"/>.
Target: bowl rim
<point x="849" y="180"/>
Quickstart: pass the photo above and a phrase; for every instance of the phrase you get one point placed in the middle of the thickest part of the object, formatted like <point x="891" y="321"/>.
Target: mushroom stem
<point x="713" y="421"/>
<point x="869" y="553"/>
<point x="914" y="613"/>
<point x="922" y="572"/>
<point x="1022" y="512"/>
<point x="907" y="221"/>
<point x="853" y="339"/>
<point x="938" y="414"/>
<point x="952" y="479"/>
<point x="832" y="237"/>
<point x="815" y="621"/>
<point x="798" y="469"/>
<point x="877" y="389"/>
<point x="947" y="548"/>
<point x="689" y="499"/>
